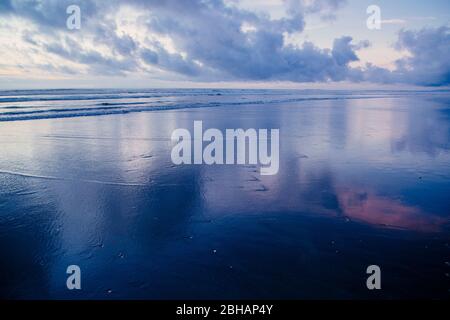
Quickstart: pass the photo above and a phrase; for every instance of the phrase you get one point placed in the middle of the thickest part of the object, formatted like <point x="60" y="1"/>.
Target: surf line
<point x="236" y="151"/>
<point x="26" y="175"/>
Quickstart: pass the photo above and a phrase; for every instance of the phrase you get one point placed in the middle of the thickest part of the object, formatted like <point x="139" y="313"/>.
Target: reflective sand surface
<point x="361" y="182"/>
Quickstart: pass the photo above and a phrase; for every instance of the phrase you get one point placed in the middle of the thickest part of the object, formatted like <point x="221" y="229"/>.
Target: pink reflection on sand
<point x="371" y="208"/>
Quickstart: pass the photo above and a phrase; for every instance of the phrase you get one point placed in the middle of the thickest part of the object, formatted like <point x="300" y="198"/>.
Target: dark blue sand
<point x="364" y="179"/>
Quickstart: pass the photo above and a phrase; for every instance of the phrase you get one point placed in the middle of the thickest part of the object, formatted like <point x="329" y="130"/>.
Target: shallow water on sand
<point x="361" y="182"/>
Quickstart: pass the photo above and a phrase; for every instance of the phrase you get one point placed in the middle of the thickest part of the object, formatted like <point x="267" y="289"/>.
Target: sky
<point x="224" y="43"/>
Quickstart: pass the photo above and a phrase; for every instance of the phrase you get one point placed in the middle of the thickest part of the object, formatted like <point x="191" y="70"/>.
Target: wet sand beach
<point x="364" y="179"/>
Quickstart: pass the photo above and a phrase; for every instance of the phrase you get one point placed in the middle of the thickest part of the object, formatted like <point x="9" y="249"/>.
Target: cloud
<point x="344" y="52"/>
<point x="325" y="8"/>
<point x="106" y="33"/>
<point x="429" y="63"/>
<point x="213" y="40"/>
<point x="211" y="33"/>
<point x="170" y="61"/>
<point x="97" y="62"/>
<point x="48" y="14"/>
<point x="393" y="21"/>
